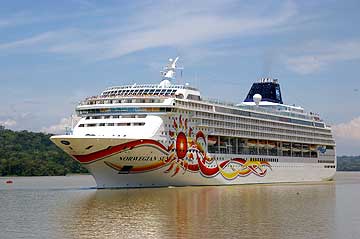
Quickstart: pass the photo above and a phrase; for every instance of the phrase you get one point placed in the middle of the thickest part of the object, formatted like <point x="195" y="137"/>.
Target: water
<point x="69" y="207"/>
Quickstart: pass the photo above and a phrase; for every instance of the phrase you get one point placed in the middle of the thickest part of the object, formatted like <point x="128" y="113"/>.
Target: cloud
<point x="161" y="24"/>
<point x="34" y="40"/>
<point x="8" y="123"/>
<point x="314" y="56"/>
<point x="194" y="26"/>
<point x="349" y="130"/>
<point x="59" y="128"/>
<point x="21" y="18"/>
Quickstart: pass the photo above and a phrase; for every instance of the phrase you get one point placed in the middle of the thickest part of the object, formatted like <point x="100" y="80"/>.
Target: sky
<point x="55" y="53"/>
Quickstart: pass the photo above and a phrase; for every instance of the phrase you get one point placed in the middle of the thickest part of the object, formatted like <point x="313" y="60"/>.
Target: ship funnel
<point x="268" y="89"/>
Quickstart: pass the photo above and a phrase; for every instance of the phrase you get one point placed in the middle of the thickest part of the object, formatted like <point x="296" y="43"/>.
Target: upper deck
<point x="150" y="94"/>
<point x="165" y="96"/>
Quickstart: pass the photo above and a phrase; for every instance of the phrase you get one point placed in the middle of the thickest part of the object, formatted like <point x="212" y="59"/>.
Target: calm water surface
<point x="69" y="207"/>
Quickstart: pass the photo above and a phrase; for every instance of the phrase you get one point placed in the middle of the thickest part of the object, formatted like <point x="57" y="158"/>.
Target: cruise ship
<point x="167" y="134"/>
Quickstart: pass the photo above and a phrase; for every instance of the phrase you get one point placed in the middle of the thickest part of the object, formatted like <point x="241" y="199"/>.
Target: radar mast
<point x="169" y="72"/>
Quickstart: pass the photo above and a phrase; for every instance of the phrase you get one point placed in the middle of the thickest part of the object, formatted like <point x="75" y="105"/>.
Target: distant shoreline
<point x="24" y="153"/>
<point x="348" y="163"/>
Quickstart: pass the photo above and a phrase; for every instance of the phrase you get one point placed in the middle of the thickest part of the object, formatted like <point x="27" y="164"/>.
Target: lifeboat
<point x="252" y="143"/>
<point x="212" y="140"/>
<point x="262" y="143"/>
<point x="271" y="144"/>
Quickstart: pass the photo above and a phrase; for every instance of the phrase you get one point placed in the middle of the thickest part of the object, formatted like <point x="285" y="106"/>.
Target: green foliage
<point x="26" y="153"/>
<point x="348" y="163"/>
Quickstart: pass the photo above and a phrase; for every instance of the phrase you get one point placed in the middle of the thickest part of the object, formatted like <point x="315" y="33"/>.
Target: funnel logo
<point x="322" y="149"/>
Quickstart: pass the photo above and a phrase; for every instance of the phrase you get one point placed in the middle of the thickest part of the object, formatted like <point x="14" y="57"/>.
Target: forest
<point x="348" y="163"/>
<point x="24" y="153"/>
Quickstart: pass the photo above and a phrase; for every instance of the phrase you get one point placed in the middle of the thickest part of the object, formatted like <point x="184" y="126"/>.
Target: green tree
<point x="24" y="153"/>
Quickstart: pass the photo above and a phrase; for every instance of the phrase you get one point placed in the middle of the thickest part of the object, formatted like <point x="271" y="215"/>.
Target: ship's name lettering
<point x="142" y="158"/>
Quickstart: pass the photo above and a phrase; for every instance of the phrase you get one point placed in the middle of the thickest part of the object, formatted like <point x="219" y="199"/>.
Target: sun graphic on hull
<point x="185" y="147"/>
<point x="187" y="151"/>
<point x="181" y="145"/>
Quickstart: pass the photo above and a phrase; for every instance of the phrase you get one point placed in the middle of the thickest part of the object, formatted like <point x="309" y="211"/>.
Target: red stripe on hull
<point x="88" y="158"/>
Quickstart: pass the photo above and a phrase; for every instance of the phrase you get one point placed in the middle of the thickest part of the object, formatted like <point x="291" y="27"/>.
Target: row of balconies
<point x="260" y="123"/>
<point x="254" y="127"/>
<point x="264" y="135"/>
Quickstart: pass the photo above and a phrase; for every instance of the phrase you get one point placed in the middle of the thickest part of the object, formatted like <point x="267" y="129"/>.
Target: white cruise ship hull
<point x="123" y="163"/>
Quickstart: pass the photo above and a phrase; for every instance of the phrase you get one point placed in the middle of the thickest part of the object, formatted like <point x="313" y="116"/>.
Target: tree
<point x="26" y="153"/>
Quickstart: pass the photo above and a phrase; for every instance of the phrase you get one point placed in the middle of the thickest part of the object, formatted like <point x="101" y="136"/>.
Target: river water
<point x="70" y="207"/>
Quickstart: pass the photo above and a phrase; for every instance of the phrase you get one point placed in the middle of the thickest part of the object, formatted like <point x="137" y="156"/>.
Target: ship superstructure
<point x="146" y="135"/>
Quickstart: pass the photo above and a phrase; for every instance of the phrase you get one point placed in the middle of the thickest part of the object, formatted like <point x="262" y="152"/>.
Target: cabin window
<point x="193" y="97"/>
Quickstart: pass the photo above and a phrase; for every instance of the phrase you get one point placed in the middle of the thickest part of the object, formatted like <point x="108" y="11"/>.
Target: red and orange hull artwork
<point x="186" y="153"/>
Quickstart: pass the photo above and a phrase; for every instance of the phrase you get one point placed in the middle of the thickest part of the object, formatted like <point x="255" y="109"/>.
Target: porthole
<point x="65" y="142"/>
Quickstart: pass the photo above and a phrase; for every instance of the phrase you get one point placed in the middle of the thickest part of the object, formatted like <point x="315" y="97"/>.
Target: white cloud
<point x="27" y="41"/>
<point x="61" y="127"/>
<point x="8" y="123"/>
<point x="193" y="25"/>
<point x="315" y="56"/>
<point x="162" y="24"/>
<point x="349" y="130"/>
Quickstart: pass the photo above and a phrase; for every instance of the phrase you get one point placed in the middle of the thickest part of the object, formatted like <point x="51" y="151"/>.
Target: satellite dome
<point x="257" y="98"/>
<point x="165" y="83"/>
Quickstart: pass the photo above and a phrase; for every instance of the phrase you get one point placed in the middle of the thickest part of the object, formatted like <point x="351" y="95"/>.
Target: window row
<point x="122" y="92"/>
<point x="250" y="134"/>
<point x="222" y="124"/>
<point x="235" y="119"/>
<point x="113" y="124"/>
<point x="193" y="105"/>
<point x="329" y="166"/>
<point x="326" y="161"/>
<point x="115" y="116"/>
<point x="123" y="101"/>
<point x="234" y="145"/>
<point x="122" y="110"/>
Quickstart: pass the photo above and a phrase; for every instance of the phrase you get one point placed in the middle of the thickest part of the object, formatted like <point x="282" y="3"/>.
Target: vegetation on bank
<point x="348" y="163"/>
<point x="24" y="153"/>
